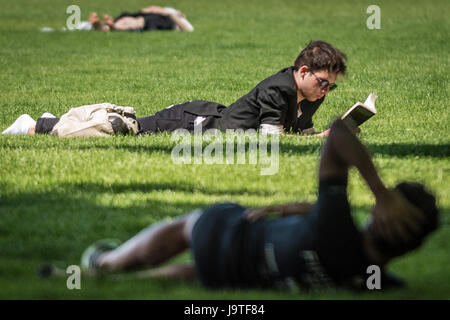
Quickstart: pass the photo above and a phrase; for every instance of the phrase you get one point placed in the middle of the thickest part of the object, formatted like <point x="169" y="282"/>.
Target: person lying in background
<point x="283" y="103"/>
<point x="147" y="19"/>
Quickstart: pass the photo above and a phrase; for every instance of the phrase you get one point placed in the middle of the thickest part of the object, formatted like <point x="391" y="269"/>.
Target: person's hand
<point x="255" y="214"/>
<point x="323" y="134"/>
<point x="395" y="219"/>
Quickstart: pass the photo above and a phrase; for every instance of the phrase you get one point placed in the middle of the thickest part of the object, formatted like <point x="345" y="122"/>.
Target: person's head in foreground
<point x="317" y="68"/>
<point x="415" y="201"/>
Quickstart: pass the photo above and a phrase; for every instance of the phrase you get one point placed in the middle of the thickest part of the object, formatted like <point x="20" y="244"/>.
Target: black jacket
<point x="272" y="101"/>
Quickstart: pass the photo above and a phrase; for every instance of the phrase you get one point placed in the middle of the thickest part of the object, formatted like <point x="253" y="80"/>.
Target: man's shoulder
<point x="281" y="82"/>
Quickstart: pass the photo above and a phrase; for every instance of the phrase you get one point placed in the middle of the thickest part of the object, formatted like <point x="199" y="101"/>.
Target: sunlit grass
<point x="58" y="196"/>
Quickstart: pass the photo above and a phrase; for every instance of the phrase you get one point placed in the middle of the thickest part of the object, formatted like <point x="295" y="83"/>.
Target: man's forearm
<point x="298" y="208"/>
<point x="351" y="152"/>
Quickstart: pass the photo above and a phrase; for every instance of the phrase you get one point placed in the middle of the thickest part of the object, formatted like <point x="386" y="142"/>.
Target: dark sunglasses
<point x="324" y="83"/>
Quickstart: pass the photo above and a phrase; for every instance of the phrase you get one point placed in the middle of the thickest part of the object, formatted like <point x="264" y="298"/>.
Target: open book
<point x="360" y="112"/>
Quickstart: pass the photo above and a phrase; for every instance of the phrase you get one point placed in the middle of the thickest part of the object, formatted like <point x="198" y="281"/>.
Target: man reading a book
<point x="281" y="104"/>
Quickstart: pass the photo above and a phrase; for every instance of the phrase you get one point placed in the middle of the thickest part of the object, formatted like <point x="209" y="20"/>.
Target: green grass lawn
<point x="58" y="196"/>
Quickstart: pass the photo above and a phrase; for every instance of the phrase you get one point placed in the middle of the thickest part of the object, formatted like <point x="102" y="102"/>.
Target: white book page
<point x="368" y="104"/>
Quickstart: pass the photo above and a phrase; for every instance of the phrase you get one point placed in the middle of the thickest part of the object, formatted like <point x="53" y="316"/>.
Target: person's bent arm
<point x="177" y="16"/>
<point x="154" y="9"/>
<point x="297" y="208"/>
<point x="395" y="216"/>
<point x="181" y="22"/>
<point x="343" y="150"/>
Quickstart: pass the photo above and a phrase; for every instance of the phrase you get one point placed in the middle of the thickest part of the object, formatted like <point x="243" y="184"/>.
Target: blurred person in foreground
<point x="304" y="245"/>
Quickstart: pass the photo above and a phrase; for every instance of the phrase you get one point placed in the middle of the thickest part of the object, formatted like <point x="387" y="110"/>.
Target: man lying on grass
<point x="309" y="245"/>
<point x="283" y="103"/>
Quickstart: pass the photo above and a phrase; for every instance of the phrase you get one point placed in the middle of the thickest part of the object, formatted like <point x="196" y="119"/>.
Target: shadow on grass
<point x="421" y="150"/>
<point x="61" y="221"/>
<point x="300" y="147"/>
<point x="146" y="187"/>
<point x="388" y="149"/>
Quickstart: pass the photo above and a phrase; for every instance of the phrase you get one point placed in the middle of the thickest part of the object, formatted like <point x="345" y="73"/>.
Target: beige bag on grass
<point x="97" y="120"/>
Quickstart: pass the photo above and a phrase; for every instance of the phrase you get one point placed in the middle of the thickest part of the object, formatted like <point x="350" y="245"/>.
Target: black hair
<point x="419" y="197"/>
<point x="319" y="55"/>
